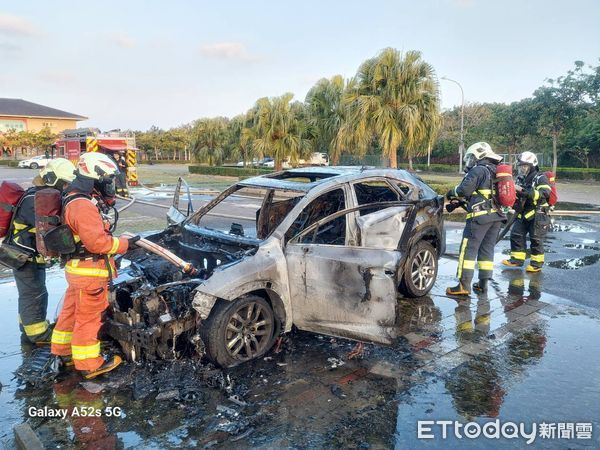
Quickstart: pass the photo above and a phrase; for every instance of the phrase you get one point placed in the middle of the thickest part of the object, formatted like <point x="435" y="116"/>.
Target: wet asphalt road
<point x="527" y="351"/>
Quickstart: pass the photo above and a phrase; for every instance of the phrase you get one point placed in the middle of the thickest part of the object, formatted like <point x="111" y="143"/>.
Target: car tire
<point x="34" y="166"/>
<point x="420" y="270"/>
<point x="232" y="340"/>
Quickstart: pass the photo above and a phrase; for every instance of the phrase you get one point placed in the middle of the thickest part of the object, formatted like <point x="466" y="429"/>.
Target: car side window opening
<point x="333" y="232"/>
<point x="374" y="191"/>
<point x="405" y="189"/>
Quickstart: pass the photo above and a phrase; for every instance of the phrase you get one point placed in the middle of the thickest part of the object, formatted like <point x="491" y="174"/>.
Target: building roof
<point x="17" y="107"/>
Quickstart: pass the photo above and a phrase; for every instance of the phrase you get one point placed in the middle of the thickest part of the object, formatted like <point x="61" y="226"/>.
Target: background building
<point x="20" y="115"/>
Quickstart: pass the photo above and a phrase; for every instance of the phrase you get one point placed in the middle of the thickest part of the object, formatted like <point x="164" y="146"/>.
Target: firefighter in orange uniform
<point x="90" y="267"/>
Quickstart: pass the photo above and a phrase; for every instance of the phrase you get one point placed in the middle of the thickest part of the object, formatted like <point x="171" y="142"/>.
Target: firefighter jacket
<point x="535" y="194"/>
<point x="477" y="189"/>
<point x="91" y="231"/>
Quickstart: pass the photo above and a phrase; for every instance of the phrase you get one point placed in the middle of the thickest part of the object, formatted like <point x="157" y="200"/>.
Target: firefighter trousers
<point x="536" y="229"/>
<point x="477" y="245"/>
<point x="78" y="324"/>
<point x="33" y="301"/>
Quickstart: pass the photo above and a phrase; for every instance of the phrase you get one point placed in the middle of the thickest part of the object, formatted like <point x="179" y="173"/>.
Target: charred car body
<point x="327" y="250"/>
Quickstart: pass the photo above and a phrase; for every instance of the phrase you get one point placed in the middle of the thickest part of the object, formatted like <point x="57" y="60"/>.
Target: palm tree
<point x="241" y="135"/>
<point x="280" y="130"/>
<point x="210" y="139"/>
<point x="393" y="99"/>
<point x="326" y="113"/>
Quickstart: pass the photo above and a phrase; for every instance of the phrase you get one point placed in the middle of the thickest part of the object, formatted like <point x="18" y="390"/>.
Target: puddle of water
<point x="575" y="263"/>
<point x="505" y="382"/>
<point x="569" y="228"/>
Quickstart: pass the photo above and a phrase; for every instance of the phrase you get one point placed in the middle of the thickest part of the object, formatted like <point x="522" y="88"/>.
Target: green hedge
<point x="574" y="173"/>
<point x="228" y="171"/>
<point x="162" y="161"/>
<point x="9" y="162"/>
<point x="446" y="168"/>
<point x="565" y="173"/>
<point x="440" y="188"/>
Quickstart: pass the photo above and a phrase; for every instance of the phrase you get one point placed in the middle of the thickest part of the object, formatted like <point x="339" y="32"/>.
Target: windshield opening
<point x="252" y="212"/>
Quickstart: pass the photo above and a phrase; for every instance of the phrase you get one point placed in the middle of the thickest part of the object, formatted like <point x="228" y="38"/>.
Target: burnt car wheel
<point x="420" y="270"/>
<point x="239" y="331"/>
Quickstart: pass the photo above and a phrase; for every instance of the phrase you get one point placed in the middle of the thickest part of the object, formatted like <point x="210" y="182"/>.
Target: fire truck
<point x="73" y="143"/>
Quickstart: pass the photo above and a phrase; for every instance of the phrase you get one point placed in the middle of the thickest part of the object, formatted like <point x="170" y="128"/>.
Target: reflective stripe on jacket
<point x="477" y="190"/>
<point x="84" y="219"/>
<point x="537" y="190"/>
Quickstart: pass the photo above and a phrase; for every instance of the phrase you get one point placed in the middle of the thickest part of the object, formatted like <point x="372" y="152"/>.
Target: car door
<point x="340" y="289"/>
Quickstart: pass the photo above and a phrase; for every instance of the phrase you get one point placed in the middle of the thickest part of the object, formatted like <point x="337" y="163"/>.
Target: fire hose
<point x="186" y="267"/>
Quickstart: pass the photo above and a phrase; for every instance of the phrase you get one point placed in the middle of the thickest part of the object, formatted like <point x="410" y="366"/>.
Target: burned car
<point x="326" y="250"/>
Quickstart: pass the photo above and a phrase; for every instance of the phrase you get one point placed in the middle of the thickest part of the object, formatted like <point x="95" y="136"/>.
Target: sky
<point x="131" y="64"/>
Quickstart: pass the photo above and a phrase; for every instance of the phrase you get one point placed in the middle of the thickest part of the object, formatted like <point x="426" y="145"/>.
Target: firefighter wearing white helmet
<point x="533" y="190"/>
<point x="89" y="268"/>
<point x="30" y="278"/>
<point x="484" y="218"/>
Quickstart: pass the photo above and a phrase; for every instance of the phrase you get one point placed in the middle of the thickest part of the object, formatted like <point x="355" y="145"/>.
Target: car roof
<point x="288" y="179"/>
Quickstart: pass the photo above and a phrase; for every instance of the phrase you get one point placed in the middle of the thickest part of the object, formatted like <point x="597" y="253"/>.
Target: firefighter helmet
<point x="59" y="169"/>
<point x="527" y="158"/>
<point x="96" y="166"/>
<point x="477" y="152"/>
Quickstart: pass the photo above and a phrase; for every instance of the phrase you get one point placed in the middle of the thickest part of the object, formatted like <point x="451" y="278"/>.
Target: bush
<point x="565" y="173"/>
<point x="439" y="188"/>
<point x="575" y="173"/>
<point x="163" y="161"/>
<point x="445" y="168"/>
<point x="9" y="162"/>
<point x="228" y="171"/>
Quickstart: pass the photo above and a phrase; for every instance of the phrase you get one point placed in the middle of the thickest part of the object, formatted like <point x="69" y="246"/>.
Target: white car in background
<point x="316" y="159"/>
<point x="35" y="163"/>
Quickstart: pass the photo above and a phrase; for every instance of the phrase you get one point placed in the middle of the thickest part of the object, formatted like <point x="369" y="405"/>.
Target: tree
<point x="394" y="98"/>
<point x="241" y="135"/>
<point x="514" y="122"/>
<point x="326" y="113"/>
<point x="210" y="137"/>
<point x="281" y="131"/>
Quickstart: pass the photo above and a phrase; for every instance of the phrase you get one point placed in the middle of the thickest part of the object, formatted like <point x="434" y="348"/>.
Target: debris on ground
<point x="39" y="367"/>
<point x="334" y="363"/>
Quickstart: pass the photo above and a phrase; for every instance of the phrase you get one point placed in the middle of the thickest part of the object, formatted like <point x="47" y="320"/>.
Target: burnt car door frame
<point x="346" y="290"/>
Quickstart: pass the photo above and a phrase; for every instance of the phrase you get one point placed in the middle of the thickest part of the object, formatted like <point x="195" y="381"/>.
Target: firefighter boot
<point x="533" y="269"/>
<point x="480" y="286"/>
<point x="512" y="263"/>
<point x="457" y="290"/>
<point x="109" y="364"/>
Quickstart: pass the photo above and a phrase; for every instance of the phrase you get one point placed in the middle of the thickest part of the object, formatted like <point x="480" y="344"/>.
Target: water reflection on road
<point x="514" y="354"/>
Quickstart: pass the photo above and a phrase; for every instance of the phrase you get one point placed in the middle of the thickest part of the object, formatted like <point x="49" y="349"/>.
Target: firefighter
<point x="484" y="218"/>
<point x="31" y="278"/>
<point x="533" y="191"/>
<point x="89" y="268"/>
<point x="121" y="179"/>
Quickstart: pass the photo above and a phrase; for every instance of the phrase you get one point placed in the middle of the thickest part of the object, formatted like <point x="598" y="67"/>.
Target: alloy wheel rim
<point x="423" y="270"/>
<point x="248" y="331"/>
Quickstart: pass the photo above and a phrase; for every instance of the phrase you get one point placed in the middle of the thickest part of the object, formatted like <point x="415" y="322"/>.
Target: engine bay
<point x="150" y="313"/>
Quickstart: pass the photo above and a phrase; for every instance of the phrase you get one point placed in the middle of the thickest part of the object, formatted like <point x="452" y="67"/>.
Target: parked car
<point x="35" y="163"/>
<point x="327" y="249"/>
<point x="316" y="159"/>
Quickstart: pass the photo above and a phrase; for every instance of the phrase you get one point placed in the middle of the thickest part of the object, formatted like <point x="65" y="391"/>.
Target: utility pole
<point x="461" y="145"/>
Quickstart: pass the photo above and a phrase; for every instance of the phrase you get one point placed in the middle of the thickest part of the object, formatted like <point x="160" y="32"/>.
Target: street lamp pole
<point x="461" y="145"/>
